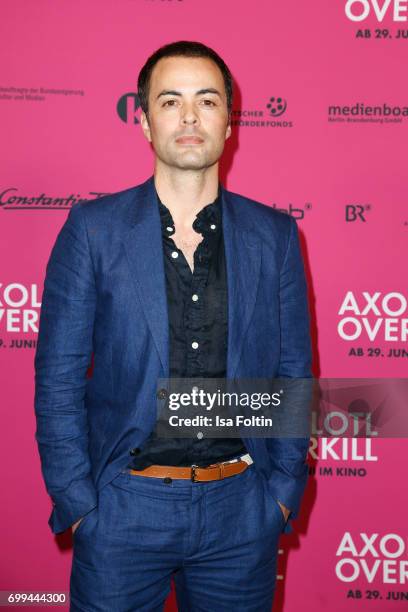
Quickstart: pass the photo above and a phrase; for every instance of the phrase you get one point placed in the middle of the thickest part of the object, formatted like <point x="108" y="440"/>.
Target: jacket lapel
<point x="243" y="259"/>
<point x="143" y="245"/>
<point x="144" y="250"/>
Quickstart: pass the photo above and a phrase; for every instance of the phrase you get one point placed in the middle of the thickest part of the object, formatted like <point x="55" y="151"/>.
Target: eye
<point x="208" y="102"/>
<point x="169" y="103"/>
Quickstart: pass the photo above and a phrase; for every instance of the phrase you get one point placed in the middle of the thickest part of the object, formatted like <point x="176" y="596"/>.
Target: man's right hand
<point x="75" y="525"/>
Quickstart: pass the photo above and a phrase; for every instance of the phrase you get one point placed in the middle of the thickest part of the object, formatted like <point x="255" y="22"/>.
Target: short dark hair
<point x="182" y="48"/>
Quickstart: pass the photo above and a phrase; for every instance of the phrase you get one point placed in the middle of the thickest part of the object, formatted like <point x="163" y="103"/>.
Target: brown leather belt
<point x="215" y="471"/>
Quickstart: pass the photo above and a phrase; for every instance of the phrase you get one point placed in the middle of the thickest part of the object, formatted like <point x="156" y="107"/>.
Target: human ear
<point x="144" y="122"/>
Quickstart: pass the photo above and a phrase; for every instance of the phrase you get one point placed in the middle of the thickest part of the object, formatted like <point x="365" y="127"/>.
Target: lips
<point x="189" y="140"/>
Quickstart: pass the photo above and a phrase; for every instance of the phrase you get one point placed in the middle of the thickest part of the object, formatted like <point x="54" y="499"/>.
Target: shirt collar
<point x="207" y="221"/>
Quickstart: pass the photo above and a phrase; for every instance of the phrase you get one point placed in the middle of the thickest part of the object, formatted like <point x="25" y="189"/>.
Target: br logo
<point x="128" y="108"/>
<point x="276" y="106"/>
<point x="356" y="212"/>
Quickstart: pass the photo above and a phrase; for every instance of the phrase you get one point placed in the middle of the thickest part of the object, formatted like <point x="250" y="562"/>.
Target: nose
<point x="189" y="115"/>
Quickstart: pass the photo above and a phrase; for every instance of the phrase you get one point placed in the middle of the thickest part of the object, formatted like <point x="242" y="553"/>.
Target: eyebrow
<point x="200" y="92"/>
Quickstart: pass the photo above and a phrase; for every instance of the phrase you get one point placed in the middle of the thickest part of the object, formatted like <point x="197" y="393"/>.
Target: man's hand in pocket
<point x="285" y="510"/>
<point x="75" y="525"/>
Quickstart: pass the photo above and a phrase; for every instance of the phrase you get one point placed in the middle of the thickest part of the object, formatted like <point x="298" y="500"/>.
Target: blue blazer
<point x="104" y="293"/>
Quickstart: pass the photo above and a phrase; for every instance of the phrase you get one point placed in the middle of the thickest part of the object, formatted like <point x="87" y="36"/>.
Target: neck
<point x="186" y="192"/>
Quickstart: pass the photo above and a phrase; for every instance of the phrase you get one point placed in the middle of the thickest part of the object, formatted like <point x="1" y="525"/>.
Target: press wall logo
<point x="364" y="113"/>
<point x="357" y="450"/>
<point x="19" y="309"/>
<point x="360" y="10"/>
<point x="12" y="199"/>
<point x="298" y="212"/>
<point x="356" y="212"/>
<point x="276" y="106"/>
<point x="128" y="108"/>
<point x="373" y="558"/>
<point x="375" y="318"/>
<point x="271" y="115"/>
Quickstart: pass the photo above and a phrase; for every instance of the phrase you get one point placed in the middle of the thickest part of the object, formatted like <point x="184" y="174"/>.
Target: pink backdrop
<point x="342" y="173"/>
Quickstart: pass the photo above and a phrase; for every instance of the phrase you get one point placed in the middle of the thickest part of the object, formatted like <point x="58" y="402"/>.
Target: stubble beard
<point x="191" y="160"/>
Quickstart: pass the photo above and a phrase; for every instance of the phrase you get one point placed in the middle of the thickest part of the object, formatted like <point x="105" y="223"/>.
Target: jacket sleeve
<point x="290" y="471"/>
<point x="63" y="354"/>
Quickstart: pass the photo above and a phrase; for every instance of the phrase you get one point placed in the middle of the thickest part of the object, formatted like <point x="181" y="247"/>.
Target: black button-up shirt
<point x="198" y="332"/>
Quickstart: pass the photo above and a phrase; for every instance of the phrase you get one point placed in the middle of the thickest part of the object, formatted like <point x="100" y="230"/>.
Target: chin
<point x="194" y="162"/>
<point x="190" y="163"/>
<point x="192" y="166"/>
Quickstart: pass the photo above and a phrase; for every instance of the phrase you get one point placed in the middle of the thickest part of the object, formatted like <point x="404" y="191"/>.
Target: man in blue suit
<point x="176" y="277"/>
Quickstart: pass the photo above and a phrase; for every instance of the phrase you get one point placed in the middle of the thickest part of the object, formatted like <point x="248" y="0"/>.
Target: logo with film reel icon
<point x="276" y="106"/>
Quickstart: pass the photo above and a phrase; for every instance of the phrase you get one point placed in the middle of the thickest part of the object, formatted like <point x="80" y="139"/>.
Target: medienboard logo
<point x="365" y="113"/>
<point x="270" y="116"/>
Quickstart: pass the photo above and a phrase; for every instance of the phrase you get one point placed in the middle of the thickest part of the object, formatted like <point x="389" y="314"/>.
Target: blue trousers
<point x="218" y="540"/>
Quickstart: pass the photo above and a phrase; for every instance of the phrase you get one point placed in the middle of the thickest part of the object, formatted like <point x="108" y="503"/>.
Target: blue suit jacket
<point x="104" y="293"/>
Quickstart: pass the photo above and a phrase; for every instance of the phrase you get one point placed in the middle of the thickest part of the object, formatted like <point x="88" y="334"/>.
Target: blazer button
<point x="134" y="452"/>
<point x="162" y="393"/>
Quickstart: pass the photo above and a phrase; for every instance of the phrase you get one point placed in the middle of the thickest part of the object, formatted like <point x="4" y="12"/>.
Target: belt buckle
<point x="193" y="472"/>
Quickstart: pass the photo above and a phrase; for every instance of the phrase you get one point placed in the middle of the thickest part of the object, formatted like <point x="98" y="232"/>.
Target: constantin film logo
<point x="12" y="199"/>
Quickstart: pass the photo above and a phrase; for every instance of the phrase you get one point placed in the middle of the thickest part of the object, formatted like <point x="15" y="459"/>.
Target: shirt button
<point x="169" y="228"/>
<point x="194" y="344"/>
<point x="174" y="254"/>
<point x="213" y="226"/>
<point x="194" y="297"/>
<point x="162" y="394"/>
